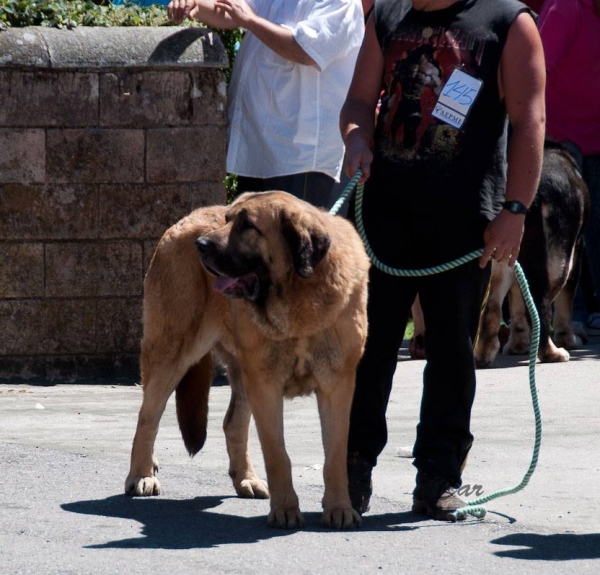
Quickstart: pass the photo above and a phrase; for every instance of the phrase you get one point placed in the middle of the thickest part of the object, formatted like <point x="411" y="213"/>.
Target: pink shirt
<point x="570" y="31"/>
<point x="535" y="5"/>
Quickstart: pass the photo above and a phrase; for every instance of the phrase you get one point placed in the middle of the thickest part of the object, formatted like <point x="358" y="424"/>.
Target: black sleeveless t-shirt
<point x="436" y="167"/>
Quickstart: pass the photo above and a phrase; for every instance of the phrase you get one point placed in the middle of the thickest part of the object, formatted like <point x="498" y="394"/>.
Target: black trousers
<point x="313" y="187"/>
<point x="451" y="303"/>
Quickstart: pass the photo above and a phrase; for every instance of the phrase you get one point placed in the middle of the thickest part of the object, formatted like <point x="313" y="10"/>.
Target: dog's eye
<point x="244" y="225"/>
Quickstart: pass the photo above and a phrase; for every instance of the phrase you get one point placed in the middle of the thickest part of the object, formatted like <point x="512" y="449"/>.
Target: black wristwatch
<point x="515" y="207"/>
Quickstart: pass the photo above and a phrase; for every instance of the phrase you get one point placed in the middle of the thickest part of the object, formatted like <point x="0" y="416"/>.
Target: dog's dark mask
<point x="240" y="272"/>
<point x="233" y="252"/>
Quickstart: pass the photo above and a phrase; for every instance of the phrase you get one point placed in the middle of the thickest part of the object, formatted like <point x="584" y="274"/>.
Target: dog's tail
<point x="192" y="404"/>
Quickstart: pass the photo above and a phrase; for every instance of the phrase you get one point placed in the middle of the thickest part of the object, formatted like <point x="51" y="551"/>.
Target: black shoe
<point x="435" y="497"/>
<point x="360" y="486"/>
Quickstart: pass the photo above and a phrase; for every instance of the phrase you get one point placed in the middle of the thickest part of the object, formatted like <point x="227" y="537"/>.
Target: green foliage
<point x="69" y="14"/>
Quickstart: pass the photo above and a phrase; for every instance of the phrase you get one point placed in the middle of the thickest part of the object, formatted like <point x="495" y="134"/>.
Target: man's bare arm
<point x="357" y="118"/>
<point x="522" y="80"/>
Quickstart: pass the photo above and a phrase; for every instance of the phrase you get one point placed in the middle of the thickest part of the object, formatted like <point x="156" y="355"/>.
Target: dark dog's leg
<point x="519" y="337"/>
<point x="520" y="328"/>
<point x="487" y="344"/>
<point x="235" y="425"/>
<point x="564" y="335"/>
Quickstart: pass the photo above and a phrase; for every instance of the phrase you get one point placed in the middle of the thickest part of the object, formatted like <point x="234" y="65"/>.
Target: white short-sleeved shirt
<point x="284" y="117"/>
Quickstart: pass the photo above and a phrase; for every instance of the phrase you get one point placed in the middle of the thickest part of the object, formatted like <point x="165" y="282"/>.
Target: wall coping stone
<point x="93" y="48"/>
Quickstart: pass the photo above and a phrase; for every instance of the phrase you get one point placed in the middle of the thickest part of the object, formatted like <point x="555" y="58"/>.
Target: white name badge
<point x="456" y="98"/>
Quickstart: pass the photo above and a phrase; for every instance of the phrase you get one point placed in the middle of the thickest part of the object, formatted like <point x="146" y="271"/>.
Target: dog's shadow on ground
<point x="190" y="523"/>
<point x="555" y="547"/>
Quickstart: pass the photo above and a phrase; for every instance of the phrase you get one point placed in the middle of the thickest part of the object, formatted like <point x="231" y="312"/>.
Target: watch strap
<point x="515" y="207"/>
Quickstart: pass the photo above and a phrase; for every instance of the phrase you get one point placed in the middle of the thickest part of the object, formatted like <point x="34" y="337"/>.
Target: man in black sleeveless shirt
<point x="439" y="184"/>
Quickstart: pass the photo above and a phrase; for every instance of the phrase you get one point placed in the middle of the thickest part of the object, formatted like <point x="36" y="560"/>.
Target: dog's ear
<point x="308" y="242"/>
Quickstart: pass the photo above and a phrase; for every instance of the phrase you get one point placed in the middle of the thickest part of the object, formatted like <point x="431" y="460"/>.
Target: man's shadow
<point x="557" y="547"/>
<point x="189" y="523"/>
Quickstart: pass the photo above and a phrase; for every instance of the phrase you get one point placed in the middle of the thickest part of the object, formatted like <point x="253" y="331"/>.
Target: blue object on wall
<point x="142" y="2"/>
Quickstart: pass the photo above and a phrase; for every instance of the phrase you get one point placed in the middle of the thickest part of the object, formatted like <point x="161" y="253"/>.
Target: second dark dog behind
<point x="551" y="258"/>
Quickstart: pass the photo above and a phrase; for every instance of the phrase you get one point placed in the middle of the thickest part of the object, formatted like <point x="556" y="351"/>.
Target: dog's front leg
<point x="266" y="402"/>
<point x="334" y="410"/>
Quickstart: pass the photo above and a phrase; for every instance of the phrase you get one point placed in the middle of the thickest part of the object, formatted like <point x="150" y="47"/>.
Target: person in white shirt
<point x="289" y="82"/>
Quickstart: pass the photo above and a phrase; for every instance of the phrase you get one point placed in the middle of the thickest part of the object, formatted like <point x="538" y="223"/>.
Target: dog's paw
<point x="251" y="488"/>
<point x="556" y="355"/>
<point x="486" y="351"/>
<point x="286" y="518"/>
<point x="483" y="361"/>
<point x="142" y="486"/>
<point x="516" y="348"/>
<point x="340" y="518"/>
<point x="569" y="340"/>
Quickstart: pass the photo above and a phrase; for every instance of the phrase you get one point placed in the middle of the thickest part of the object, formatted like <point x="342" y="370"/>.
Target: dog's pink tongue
<point x="223" y="283"/>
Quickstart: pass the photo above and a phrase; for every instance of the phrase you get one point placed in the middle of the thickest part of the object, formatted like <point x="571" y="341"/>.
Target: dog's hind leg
<point x="487" y="343"/>
<point x="564" y="334"/>
<point x="519" y="338"/>
<point x="158" y="384"/>
<point x="236" y="425"/>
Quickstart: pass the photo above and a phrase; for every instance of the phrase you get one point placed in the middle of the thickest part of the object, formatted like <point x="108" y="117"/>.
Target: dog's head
<point x="267" y="237"/>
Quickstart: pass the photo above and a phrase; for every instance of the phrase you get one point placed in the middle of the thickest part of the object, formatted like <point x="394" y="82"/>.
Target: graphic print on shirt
<point x="418" y="63"/>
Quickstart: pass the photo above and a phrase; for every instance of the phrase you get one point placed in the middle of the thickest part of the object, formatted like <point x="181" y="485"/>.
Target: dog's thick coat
<point x="281" y="296"/>
<point x="550" y="259"/>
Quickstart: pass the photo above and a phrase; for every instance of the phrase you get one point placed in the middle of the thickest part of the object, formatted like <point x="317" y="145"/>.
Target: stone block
<point x="70" y="326"/>
<point x="185" y="154"/>
<point x="58" y="211"/>
<point x="146" y="99"/>
<point x="22" y="155"/>
<point x="209" y="98"/>
<point x="119" y="325"/>
<point x="42" y="98"/>
<point x="38" y="326"/>
<point x="23" y="327"/>
<point x="22" y="369"/>
<point x="208" y="194"/>
<point x="141" y="211"/>
<point x="89" y="47"/>
<point x="95" y="155"/>
<point x="21" y="270"/>
<point x="89" y="269"/>
<point x="93" y="368"/>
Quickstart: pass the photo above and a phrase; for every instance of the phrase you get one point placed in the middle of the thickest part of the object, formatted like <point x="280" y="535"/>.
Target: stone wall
<point x="107" y="137"/>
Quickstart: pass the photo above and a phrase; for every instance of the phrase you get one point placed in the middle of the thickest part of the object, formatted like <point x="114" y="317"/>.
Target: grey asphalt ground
<point x="64" y="456"/>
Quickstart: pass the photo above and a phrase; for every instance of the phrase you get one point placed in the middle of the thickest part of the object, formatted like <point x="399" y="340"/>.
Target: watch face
<point x="515" y="207"/>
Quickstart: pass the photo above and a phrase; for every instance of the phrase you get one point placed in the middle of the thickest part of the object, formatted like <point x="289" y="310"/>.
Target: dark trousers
<point x="451" y="303"/>
<point x="313" y="187"/>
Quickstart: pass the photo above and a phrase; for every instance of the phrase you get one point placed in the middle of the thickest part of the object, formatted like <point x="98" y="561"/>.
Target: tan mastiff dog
<point x="279" y="289"/>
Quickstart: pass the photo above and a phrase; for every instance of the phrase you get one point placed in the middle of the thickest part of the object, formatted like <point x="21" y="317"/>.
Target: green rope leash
<point x="474" y="508"/>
